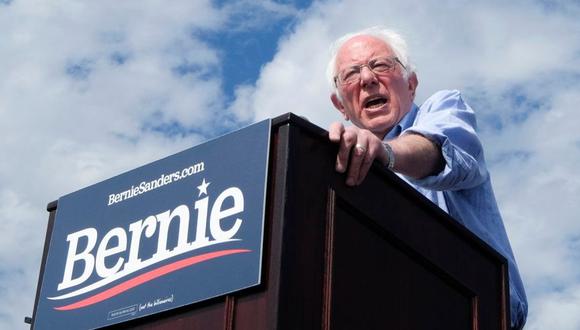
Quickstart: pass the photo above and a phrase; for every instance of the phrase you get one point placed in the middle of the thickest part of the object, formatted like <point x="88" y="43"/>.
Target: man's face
<point x="376" y="102"/>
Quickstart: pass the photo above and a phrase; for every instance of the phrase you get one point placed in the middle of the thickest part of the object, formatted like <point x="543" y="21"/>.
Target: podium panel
<point x="376" y="256"/>
<point x="391" y="282"/>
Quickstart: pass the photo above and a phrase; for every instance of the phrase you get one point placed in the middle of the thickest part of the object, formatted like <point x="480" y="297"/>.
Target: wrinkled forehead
<point x="361" y="49"/>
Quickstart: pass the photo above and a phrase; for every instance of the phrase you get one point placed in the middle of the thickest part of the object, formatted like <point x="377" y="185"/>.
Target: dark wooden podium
<point x="378" y="256"/>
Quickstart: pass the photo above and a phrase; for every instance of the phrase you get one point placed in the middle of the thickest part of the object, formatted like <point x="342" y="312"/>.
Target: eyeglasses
<point x="378" y="66"/>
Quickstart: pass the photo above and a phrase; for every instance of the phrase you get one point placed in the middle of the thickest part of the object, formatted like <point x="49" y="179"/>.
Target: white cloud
<point x="293" y="81"/>
<point x="556" y="310"/>
<point x="251" y="14"/>
<point x="539" y="193"/>
<point x="79" y="73"/>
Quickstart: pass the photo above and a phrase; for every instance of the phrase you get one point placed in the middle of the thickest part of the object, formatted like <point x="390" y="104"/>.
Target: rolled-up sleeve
<point x="449" y="122"/>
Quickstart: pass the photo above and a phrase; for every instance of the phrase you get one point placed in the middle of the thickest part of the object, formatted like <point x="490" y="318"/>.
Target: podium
<point x="375" y="256"/>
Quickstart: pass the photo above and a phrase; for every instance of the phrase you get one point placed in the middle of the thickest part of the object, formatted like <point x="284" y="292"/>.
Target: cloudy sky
<point x="90" y="89"/>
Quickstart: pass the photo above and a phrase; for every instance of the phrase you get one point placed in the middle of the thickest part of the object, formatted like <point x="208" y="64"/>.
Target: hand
<point x="358" y="148"/>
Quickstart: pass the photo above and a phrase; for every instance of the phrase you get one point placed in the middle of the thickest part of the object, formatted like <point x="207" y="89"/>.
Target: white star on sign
<point x="203" y="187"/>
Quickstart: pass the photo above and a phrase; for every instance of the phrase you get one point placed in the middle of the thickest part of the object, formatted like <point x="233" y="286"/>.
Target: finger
<point x="347" y="141"/>
<point x="357" y="159"/>
<point x="335" y="131"/>
<point x="375" y="151"/>
<point x="366" y="163"/>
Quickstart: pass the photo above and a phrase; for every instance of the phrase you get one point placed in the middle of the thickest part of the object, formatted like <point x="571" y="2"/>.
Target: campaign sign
<point x="174" y="232"/>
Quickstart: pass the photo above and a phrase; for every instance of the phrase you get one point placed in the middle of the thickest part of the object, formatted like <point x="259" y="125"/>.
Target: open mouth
<point x="375" y="102"/>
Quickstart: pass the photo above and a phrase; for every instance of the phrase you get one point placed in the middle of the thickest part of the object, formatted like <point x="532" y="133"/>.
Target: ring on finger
<point x="360" y="149"/>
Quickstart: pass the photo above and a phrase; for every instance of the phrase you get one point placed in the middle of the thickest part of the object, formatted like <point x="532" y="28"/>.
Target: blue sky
<point x="91" y="89"/>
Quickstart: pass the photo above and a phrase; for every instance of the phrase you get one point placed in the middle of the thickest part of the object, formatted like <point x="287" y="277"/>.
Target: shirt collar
<point x="406" y="122"/>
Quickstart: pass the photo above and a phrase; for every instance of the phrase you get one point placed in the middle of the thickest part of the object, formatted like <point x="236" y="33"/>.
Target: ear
<point x="338" y="105"/>
<point x="412" y="82"/>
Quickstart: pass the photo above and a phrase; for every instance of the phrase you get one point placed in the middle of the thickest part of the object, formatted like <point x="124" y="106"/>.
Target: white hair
<point x="394" y="40"/>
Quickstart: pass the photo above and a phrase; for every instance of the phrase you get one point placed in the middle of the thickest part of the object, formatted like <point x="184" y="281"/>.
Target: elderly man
<point x="433" y="147"/>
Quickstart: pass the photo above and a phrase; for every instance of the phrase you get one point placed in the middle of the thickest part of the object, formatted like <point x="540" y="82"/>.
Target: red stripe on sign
<point x="144" y="278"/>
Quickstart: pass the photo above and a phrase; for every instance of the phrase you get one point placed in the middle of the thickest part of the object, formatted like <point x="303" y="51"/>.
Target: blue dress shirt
<point x="463" y="188"/>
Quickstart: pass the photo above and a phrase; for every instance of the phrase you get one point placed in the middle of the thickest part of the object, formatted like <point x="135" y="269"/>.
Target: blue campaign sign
<point x="180" y="230"/>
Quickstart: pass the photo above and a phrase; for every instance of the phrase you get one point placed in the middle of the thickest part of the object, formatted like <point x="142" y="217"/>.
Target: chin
<point x="378" y="130"/>
<point x="379" y="124"/>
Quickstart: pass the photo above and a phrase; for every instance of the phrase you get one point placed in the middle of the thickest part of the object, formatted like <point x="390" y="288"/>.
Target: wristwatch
<point x="390" y="154"/>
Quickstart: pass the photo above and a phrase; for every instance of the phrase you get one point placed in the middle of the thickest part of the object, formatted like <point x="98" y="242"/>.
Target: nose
<point x="367" y="77"/>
